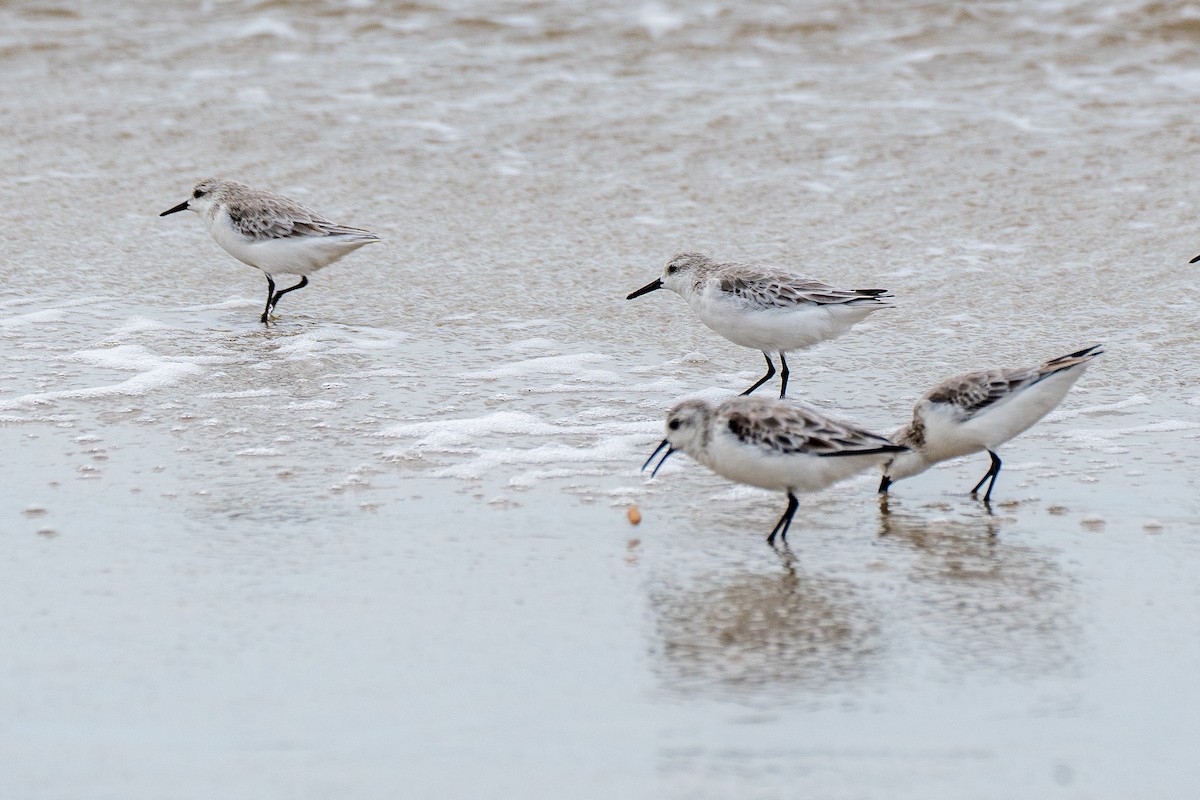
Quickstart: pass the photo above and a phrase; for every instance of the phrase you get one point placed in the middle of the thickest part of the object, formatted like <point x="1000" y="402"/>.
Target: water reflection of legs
<point x="788" y="559"/>
<point x="981" y="601"/>
<point x="897" y="524"/>
<point x="884" y="509"/>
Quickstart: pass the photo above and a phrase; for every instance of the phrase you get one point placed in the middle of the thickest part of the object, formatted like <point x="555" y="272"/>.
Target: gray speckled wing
<point x="766" y="287"/>
<point x="788" y="428"/>
<point x="276" y="217"/>
<point x="975" y="391"/>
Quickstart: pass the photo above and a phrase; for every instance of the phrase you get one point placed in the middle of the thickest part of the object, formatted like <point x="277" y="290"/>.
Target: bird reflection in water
<point x="939" y="583"/>
<point x="978" y="600"/>
<point x="753" y="630"/>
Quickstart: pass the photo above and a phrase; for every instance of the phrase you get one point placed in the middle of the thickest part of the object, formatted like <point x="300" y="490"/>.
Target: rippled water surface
<point x="380" y="548"/>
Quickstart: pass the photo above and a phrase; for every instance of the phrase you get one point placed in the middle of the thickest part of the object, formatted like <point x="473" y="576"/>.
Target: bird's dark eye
<point x="197" y="194"/>
<point x="673" y="424"/>
<point x="671" y="270"/>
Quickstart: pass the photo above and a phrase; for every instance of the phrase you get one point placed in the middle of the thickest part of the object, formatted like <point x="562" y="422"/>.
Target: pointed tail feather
<point x="1085" y="353"/>
<point x="1068" y="361"/>
<point x="879" y="297"/>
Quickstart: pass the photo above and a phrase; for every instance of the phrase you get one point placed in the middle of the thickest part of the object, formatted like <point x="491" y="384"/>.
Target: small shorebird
<point x="981" y="411"/>
<point x="773" y="444"/>
<point x="270" y="232"/>
<point x="764" y="307"/>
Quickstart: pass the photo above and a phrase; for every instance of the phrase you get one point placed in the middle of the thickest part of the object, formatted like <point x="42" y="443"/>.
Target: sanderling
<point x="764" y="307"/>
<point x="270" y="232"/>
<point x="981" y="411"/>
<point x="772" y="444"/>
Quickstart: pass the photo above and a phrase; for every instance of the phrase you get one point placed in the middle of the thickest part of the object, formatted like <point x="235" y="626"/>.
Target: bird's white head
<point x="679" y="274"/>
<point x="205" y="194"/>
<point x="687" y="431"/>
<point x="687" y="426"/>
<point x="681" y="269"/>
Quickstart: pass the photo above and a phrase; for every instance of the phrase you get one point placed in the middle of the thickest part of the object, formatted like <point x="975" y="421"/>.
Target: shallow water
<point x="382" y="545"/>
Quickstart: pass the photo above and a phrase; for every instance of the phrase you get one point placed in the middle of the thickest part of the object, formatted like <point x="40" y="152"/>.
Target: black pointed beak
<point x="657" y="284"/>
<point x="181" y="207"/>
<point x="884" y="484"/>
<point x="657" y="450"/>
<point x="666" y="455"/>
<point x="1194" y="260"/>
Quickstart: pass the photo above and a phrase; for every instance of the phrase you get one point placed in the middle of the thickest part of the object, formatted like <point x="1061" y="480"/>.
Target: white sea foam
<point x="545" y="365"/>
<point x="1103" y="408"/>
<point x="268" y="27"/>
<point x="535" y="343"/>
<point x="500" y="422"/>
<point x="612" y="449"/>
<point x="58" y="420"/>
<point x="600" y="381"/>
<point x="485" y="444"/>
<point x="531" y="478"/>
<point x="658" y="21"/>
<point x="313" y="405"/>
<point x="229" y="304"/>
<point x="154" y="372"/>
<point x="1093" y="435"/>
<point x="238" y="395"/>
<point x="333" y="342"/>
<point x="137" y="325"/>
<point x="33" y="318"/>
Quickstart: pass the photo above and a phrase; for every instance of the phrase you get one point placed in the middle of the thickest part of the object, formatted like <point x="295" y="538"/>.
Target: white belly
<point x="992" y="427"/>
<point x="776" y="329"/>
<point x="946" y="437"/>
<point x="799" y="472"/>
<point x="294" y="255"/>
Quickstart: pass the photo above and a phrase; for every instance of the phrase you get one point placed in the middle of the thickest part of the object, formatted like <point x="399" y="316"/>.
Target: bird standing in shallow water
<point x="772" y="444"/>
<point x="981" y="411"/>
<point x="765" y="307"/>
<point x="270" y="232"/>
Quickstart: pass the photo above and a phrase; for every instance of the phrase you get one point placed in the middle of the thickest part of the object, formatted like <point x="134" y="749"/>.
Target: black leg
<point x="303" y="282"/>
<point x="783" y="374"/>
<point x="987" y="496"/>
<point x="993" y="472"/>
<point x="785" y="521"/>
<point x="770" y="374"/>
<point x="270" y="294"/>
<point x="884" y="484"/>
